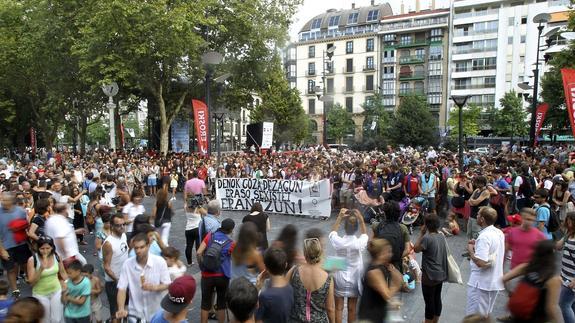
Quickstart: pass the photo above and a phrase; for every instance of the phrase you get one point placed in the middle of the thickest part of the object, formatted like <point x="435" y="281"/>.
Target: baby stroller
<point x="369" y="207"/>
<point x="411" y="214"/>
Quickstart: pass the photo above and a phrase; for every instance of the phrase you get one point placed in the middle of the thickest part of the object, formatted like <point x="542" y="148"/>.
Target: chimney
<point x="402" y="8"/>
<point x="432" y="4"/>
<point x="417" y="5"/>
<point x="353" y="5"/>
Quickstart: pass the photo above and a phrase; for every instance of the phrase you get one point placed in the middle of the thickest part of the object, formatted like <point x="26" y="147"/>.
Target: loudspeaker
<point x="254" y="133"/>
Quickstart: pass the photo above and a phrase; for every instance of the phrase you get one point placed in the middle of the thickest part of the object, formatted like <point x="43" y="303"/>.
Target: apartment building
<point x="337" y="63"/>
<point x="493" y="46"/>
<point x="414" y="60"/>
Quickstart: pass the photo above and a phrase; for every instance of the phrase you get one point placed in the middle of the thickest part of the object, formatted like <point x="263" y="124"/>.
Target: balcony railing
<point x="410" y="91"/>
<point x="467" y="50"/>
<point x="352" y="30"/>
<point x="345" y="70"/>
<point x="475" y="68"/>
<point x="415" y="59"/>
<point x="413" y="43"/>
<point x="346" y="89"/>
<point x="310" y="73"/>
<point x="369" y="68"/>
<point x="389" y="60"/>
<point x="368" y="89"/>
<point x="411" y="76"/>
<point x="310" y="92"/>
<point x="473" y="86"/>
<point x="461" y="33"/>
<point x="475" y="13"/>
<point x="389" y="76"/>
<point x="413" y="24"/>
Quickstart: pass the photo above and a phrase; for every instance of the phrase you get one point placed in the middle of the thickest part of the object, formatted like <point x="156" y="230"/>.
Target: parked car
<point x="481" y="150"/>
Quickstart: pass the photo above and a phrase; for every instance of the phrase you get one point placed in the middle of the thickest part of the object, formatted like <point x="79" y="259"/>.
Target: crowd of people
<point x="516" y="208"/>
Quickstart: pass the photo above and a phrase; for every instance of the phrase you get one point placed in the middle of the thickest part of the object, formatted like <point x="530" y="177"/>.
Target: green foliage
<point x="98" y="134"/>
<point x="281" y="105"/>
<point x="470" y="116"/>
<point x="413" y="124"/>
<point x="510" y="120"/>
<point x="374" y="110"/>
<point x="339" y="123"/>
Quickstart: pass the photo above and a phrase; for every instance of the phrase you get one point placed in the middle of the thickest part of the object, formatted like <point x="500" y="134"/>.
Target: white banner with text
<point x="275" y="195"/>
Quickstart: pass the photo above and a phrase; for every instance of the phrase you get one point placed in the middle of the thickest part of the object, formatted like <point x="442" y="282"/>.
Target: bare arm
<point x="330" y="302"/>
<point x="515" y="272"/>
<point x="32" y="231"/>
<point x="107" y="255"/>
<point x="377" y="281"/>
<point x="33" y="275"/>
<point x="338" y="220"/>
<point x="552" y="302"/>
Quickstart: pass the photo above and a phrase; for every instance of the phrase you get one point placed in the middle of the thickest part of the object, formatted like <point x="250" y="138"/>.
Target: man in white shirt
<point x="486" y="260"/>
<point x="59" y="228"/>
<point x="145" y="276"/>
<point x="114" y="254"/>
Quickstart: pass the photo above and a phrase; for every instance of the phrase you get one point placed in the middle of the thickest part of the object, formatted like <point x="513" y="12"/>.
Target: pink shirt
<point x="195" y="186"/>
<point x="522" y="243"/>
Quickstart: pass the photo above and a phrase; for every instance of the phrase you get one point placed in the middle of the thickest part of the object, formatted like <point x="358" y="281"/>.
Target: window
<point x="316" y="23"/>
<point x="329" y="88"/>
<point x="369" y="82"/>
<point x="489" y="81"/>
<point x="461" y="66"/>
<point x="435" y="68"/>
<point x="523" y="39"/>
<point x="389" y="101"/>
<point x="349" y="65"/>
<point x="511" y="21"/>
<point x="349" y="47"/>
<point x="389" y="37"/>
<point x="436" y="32"/>
<point x="510" y="40"/>
<point x="333" y="22"/>
<point x="404" y="86"/>
<point x="369" y="45"/>
<point x="349" y="84"/>
<point x="523" y="20"/>
<point x="369" y="63"/>
<point x="310" y="86"/>
<point x="311" y="106"/>
<point x="434" y="85"/>
<point x="349" y="104"/>
<point x="388" y="70"/>
<point x="420" y="53"/>
<point x="434" y="98"/>
<point x="352" y="18"/>
<point x="405" y="40"/>
<point x="388" y="88"/>
<point x="418" y="87"/>
<point x="418" y="70"/>
<point x="311" y="68"/>
<point x="311" y="52"/>
<point x="372" y="15"/>
<point x="435" y="52"/>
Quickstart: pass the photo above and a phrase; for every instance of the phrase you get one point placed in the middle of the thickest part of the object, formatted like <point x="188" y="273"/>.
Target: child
<point x="176" y="267"/>
<point x="5" y="301"/>
<point x="76" y="298"/>
<point x="275" y="302"/>
<point x="95" y="302"/>
<point x="452" y="227"/>
<point x="173" y="184"/>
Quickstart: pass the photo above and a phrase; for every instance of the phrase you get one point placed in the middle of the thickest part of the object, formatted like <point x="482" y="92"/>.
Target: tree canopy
<point x="511" y="119"/>
<point x="470" y="116"/>
<point x="339" y="123"/>
<point x="413" y="124"/>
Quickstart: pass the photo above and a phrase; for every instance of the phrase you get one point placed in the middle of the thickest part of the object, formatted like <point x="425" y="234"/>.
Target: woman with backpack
<point x="536" y="297"/>
<point x="45" y="274"/>
<point x="162" y="214"/>
<point x="567" y="244"/>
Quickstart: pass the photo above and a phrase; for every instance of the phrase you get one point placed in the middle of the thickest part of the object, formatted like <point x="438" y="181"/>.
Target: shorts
<point x="173" y="184"/>
<point x="96" y="308"/>
<point x="19" y="255"/>
<point x="220" y="284"/>
<point x="151" y="181"/>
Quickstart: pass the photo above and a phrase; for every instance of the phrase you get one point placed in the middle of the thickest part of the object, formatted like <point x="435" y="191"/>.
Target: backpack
<point x="212" y="257"/>
<point x="527" y="186"/>
<point x="525" y="299"/>
<point x="391" y="231"/>
<point x="554" y="222"/>
<point x="19" y="228"/>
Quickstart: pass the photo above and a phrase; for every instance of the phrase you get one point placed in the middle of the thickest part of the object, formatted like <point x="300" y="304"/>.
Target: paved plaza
<point x="454" y="296"/>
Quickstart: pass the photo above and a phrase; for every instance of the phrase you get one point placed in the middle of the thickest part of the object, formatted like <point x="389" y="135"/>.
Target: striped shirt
<point x="568" y="262"/>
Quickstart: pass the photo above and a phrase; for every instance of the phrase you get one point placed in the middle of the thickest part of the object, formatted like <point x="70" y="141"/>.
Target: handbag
<point x="453" y="272"/>
<point x="158" y="222"/>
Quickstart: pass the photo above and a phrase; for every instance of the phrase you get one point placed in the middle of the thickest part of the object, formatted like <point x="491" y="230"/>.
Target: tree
<point x="375" y="111"/>
<point x="339" y="123"/>
<point x="413" y="124"/>
<point x="470" y="117"/>
<point x="282" y="105"/>
<point x="510" y="120"/>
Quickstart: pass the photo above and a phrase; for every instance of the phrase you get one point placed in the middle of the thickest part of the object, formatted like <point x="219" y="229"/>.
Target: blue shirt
<point x="7" y="216"/>
<point x="543" y="215"/>
<point x="4" y="306"/>
<point x="159" y="318"/>
<point x="212" y="224"/>
<point x="502" y="184"/>
<point x="83" y="288"/>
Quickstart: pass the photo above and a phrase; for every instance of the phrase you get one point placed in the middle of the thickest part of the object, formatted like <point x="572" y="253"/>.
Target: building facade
<point x="494" y="44"/>
<point x="414" y="60"/>
<point x="337" y="63"/>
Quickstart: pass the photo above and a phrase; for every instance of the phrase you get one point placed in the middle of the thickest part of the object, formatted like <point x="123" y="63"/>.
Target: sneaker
<point x="504" y="319"/>
<point x="16" y="293"/>
<point x="173" y="198"/>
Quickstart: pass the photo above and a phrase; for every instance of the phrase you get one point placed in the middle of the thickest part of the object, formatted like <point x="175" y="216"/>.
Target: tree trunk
<point x="83" y="131"/>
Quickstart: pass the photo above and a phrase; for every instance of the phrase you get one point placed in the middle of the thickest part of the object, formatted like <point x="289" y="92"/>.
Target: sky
<point x="311" y="8"/>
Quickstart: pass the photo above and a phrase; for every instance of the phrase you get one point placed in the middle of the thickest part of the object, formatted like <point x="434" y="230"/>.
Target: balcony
<point x="402" y="25"/>
<point x="333" y="33"/>
<point x="415" y="59"/>
<point x="473" y="86"/>
<point x="475" y="13"/>
<point x="413" y="44"/>
<point x="467" y="50"/>
<point x="346" y="89"/>
<point x="369" y="68"/>
<point x="410" y="91"/>
<point x="348" y="71"/>
<point x="310" y="73"/>
<point x="475" y="68"/>
<point x="411" y="76"/>
<point x="389" y="60"/>
<point x="389" y="76"/>
<point x="463" y="33"/>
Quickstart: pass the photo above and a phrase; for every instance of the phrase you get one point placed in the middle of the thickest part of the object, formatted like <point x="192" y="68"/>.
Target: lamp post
<point x="110" y="90"/>
<point x="219" y="115"/>
<point x="460" y="101"/>
<point x="323" y="97"/>
<point x="210" y="59"/>
<point x="540" y="19"/>
<point x="75" y="129"/>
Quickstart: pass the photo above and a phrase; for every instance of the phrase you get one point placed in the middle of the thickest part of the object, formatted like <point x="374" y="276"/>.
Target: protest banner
<point x="276" y="196"/>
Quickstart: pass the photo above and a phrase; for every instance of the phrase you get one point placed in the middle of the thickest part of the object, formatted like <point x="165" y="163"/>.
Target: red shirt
<point x="522" y="243"/>
<point x="202" y="173"/>
<point x="412" y="185"/>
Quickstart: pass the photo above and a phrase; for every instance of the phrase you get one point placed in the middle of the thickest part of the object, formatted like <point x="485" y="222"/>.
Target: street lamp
<point x="323" y="97"/>
<point x="110" y="90"/>
<point x="460" y="101"/>
<point x="75" y="125"/>
<point x="540" y="19"/>
<point x="210" y="59"/>
<point x="219" y="115"/>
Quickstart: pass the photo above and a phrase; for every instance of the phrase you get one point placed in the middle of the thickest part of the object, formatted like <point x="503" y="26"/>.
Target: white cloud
<point x="312" y="8"/>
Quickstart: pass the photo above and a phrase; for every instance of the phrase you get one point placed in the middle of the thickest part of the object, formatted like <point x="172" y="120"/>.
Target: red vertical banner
<point x="569" y="88"/>
<point x="540" y="118"/>
<point x="33" y="140"/>
<point x="202" y="125"/>
<point x="122" y="138"/>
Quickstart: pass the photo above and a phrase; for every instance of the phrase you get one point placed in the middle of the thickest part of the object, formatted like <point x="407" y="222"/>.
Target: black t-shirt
<point x="40" y="222"/>
<point x="372" y="306"/>
<point x="275" y="304"/>
<point x="260" y="221"/>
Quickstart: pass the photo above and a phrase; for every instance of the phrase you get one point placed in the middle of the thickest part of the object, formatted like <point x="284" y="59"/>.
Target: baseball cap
<point x="180" y="294"/>
<point x="514" y="219"/>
